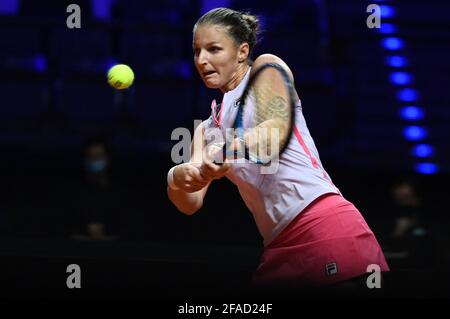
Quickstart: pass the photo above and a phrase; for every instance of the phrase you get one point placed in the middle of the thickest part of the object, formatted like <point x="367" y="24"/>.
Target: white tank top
<point x="275" y="199"/>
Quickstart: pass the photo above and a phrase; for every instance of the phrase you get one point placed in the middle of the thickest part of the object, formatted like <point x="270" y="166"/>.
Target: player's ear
<point x="244" y="50"/>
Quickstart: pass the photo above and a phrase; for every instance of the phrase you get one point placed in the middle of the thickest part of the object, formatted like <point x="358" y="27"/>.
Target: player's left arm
<point x="253" y="138"/>
<point x="271" y="58"/>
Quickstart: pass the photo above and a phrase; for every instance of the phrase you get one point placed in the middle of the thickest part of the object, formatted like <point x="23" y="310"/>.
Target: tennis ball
<point x="120" y="76"/>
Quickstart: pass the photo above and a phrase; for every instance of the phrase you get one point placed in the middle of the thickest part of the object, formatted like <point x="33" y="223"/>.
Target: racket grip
<point x="220" y="157"/>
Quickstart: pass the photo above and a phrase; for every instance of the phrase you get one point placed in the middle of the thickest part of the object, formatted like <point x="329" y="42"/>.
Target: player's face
<point x="216" y="56"/>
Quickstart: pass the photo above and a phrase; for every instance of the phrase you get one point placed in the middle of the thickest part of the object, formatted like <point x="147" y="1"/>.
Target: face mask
<point x="95" y="166"/>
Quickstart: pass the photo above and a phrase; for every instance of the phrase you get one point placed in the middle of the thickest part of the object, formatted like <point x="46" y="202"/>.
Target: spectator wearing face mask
<point x="407" y="207"/>
<point x="94" y="200"/>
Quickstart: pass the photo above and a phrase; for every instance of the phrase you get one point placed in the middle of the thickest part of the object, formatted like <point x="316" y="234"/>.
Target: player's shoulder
<point x="270" y="58"/>
<point x="203" y="124"/>
<point x="267" y="58"/>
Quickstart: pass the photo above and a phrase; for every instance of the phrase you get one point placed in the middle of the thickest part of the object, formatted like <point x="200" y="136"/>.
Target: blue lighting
<point x="212" y="4"/>
<point x="263" y="22"/>
<point x="387" y="11"/>
<point x="407" y="95"/>
<point x="109" y="63"/>
<point x="392" y="43"/>
<point x="101" y="9"/>
<point x="426" y="168"/>
<point x="414" y="133"/>
<point x="412" y="113"/>
<point x="387" y="28"/>
<point x="40" y="63"/>
<point x="9" y="7"/>
<point x="396" y="61"/>
<point x="422" y="150"/>
<point x="400" y="78"/>
<point x="184" y="70"/>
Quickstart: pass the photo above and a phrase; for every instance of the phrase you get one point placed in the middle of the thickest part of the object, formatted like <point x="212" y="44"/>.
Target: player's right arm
<point x="187" y="177"/>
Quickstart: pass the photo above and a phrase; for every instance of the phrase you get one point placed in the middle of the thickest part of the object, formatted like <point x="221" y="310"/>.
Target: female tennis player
<point x="312" y="235"/>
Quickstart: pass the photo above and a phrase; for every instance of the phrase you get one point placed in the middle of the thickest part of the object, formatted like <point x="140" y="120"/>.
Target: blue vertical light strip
<point x="396" y="61"/>
<point x="403" y="82"/>
<point x="412" y="113"/>
<point x="400" y="78"/>
<point x="387" y="11"/>
<point x="387" y="28"/>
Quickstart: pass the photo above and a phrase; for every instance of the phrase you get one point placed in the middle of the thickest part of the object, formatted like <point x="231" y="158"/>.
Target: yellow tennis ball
<point x="120" y="76"/>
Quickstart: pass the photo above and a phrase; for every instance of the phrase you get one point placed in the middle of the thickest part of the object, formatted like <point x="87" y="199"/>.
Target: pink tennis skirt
<point x="327" y="243"/>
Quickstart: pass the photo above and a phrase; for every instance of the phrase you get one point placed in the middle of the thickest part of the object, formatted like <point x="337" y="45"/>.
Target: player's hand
<point x="188" y="178"/>
<point x="208" y="169"/>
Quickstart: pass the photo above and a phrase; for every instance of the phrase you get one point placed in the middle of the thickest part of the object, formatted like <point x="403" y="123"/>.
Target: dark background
<point x="54" y="95"/>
